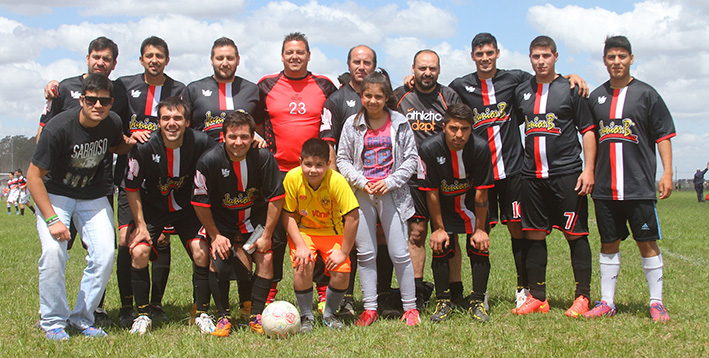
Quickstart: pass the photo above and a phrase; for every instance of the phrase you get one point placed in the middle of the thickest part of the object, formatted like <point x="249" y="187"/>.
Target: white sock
<point x="610" y="268"/>
<point x="653" y="274"/>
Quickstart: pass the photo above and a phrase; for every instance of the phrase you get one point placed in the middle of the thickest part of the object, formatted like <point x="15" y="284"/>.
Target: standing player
<point x="237" y="188"/>
<point x="69" y="157"/>
<point x="554" y="188"/>
<point x="143" y="92"/>
<point x="489" y="92"/>
<point x="457" y="174"/>
<point x="631" y="118"/>
<point x="424" y="105"/>
<point x="12" y="194"/>
<point x="23" y="197"/>
<point x="292" y="102"/>
<point x="158" y="189"/>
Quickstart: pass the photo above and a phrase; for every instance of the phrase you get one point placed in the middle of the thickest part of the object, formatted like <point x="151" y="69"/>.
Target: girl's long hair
<point x="379" y="77"/>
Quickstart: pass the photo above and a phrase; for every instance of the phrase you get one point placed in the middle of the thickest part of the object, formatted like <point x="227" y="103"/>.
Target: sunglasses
<point x="91" y="100"/>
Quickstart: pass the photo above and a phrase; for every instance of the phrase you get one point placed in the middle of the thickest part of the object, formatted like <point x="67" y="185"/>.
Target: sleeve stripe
<point x="427" y="189"/>
<point x="489" y="186"/>
<point x="276" y="198"/>
<point x="588" y="128"/>
<point x="201" y="204"/>
<point x="132" y="189"/>
<point x="666" y="137"/>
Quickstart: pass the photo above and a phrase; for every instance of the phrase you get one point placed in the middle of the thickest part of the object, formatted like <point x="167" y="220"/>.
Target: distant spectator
<point x="699" y="183"/>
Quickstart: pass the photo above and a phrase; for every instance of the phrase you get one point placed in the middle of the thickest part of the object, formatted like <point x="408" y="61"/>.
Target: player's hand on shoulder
<point x="51" y="90"/>
<point x="577" y="81"/>
<point x="138" y="137"/>
<point x="259" y="142"/>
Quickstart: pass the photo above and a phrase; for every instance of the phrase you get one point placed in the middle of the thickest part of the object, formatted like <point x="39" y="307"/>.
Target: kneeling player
<point x="318" y="200"/>
<point x="158" y="189"/>
<point x="237" y="188"/>
<point x="458" y="173"/>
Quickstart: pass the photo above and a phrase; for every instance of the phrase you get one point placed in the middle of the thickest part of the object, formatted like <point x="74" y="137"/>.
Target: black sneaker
<point x="444" y="308"/>
<point x="386" y="308"/>
<point x="306" y="325"/>
<point x="157" y="313"/>
<point x="346" y="307"/>
<point x="101" y="318"/>
<point x="126" y="316"/>
<point x="477" y="310"/>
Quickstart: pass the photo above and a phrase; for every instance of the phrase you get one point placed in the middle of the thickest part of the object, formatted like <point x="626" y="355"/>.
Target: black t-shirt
<point x="425" y="111"/>
<point x="237" y="192"/>
<point x="166" y="175"/>
<point x="73" y="154"/>
<point x="339" y="106"/>
<point x="553" y="116"/>
<point x="629" y="120"/>
<point x="211" y="101"/>
<point x="492" y="101"/>
<point x="141" y="112"/>
<point x="456" y="175"/>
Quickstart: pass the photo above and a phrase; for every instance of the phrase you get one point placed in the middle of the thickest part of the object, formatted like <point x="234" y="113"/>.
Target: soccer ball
<point x="279" y="319"/>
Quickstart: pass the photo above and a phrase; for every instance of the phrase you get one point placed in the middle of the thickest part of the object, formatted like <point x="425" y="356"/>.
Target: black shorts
<point x="553" y="203"/>
<point x="613" y="217"/>
<point x="449" y="250"/>
<point x="187" y="227"/>
<point x="420" y="204"/>
<point x="505" y="197"/>
<point x="125" y="216"/>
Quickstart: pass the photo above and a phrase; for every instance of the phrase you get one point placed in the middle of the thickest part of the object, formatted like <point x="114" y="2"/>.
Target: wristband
<point x="53" y="220"/>
<point x="50" y="218"/>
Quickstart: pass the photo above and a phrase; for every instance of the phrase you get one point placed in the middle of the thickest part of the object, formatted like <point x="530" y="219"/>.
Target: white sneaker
<point x="521" y="296"/>
<point x="205" y="323"/>
<point x="141" y="325"/>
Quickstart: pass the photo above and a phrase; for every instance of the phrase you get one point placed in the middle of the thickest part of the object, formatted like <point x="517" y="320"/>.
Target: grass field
<point x="631" y="333"/>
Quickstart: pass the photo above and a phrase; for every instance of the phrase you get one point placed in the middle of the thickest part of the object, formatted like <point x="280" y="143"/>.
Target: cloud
<point x="214" y="9"/>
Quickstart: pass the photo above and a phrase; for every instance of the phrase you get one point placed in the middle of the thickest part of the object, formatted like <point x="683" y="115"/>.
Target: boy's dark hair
<point x="295" y="36"/>
<point x="95" y="82"/>
<point x="374" y="58"/>
<point x="459" y="111"/>
<point x="156" y="42"/>
<point x="224" y="41"/>
<point x="176" y="102"/>
<point x="315" y="147"/>
<point x="102" y="43"/>
<point x="617" y="41"/>
<point x="543" y="41"/>
<point x="238" y="118"/>
<point x="18" y="171"/>
<point x="483" y="38"/>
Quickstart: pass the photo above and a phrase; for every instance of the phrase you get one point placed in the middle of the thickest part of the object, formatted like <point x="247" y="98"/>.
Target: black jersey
<point x="166" y="175"/>
<point x="629" y="120"/>
<point x="456" y="175"/>
<point x="237" y="192"/>
<point x="73" y="154"/>
<point x="492" y="101"/>
<point x="553" y="116"/>
<point x="425" y="111"/>
<point x="211" y="101"/>
<point x="342" y="104"/>
<point x="141" y="112"/>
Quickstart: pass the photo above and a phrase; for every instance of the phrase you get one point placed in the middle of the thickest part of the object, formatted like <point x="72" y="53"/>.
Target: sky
<point x="42" y="40"/>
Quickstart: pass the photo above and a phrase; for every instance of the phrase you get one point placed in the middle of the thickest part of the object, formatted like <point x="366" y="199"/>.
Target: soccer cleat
<point x="205" y="323"/>
<point x="346" y="307"/>
<point x="659" y="313"/>
<point x="101" y="318"/>
<point x="478" y="311"/>
<point x="411" y="317"/>
<point x="57" y="334"/>
<point x="532" y="305"/>
<point x="333" y="322"/>
<point x="255" y="324"/>
<point x="245" y="310"/>
<point x="521" y="296"/>
<point x="126" y="316"/>
<point x="223" y="328"/>
<point x="601" y="309"/>
<point x="444" y="308"/>
<point x="321" y="307"/>
<point x="141" y="325"/>
<point x="367" y="318"/>
<point x="157" y="313"/>
<point x="93" y="332"/>
<point x="306" y="325"/>
<point x="193" y="313"/>
<point x="385" y="307"/>
<point x="579" y="307"/>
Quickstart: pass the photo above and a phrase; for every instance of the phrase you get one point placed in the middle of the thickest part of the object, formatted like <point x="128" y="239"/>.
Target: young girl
<point x="377" y="155"/>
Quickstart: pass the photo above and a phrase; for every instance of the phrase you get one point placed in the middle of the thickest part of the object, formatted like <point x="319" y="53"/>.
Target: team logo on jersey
<point x="211" y="122"/>
<point x="491" y="115"/>
<point x="135" y="93"/>
<point x="325" y="202"/>
<point x="206" y="93"/>
<point x="618" y="132"/>
<point x="527" y="96"/>
<point x="441" y="160"/>
<point x="543" y="125"/>
<point x="602" y="99"/>
<point x="242" y="200"/>
<point x="302" y="197"/>
<point x="422" y="120"/>
<point x="470" y="89"/>
<point x="455" y="188"/>
<point x="200" y="183"/>
<point x="156" y="158"/>
<point x="170" y="184"/>
<point x="75" y="94"/>
<point x="145" y="125"/>
<point x="225" y="172"/>
<point x="303" y="212"/>
<point x="351" y="103"/>
<point x="133" y="169"/>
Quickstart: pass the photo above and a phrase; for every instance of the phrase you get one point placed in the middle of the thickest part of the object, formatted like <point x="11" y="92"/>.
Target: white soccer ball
<point x="280" y="319"/>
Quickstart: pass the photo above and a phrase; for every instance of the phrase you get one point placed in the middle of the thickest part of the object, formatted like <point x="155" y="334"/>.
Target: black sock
<point x="536" y="268"/>
<point x="200" y="280"/>
<point x="140" y="278"/>
<point x="480" y="267"/>
<point x="418" y="283"/>
<point x="441" y="272"/>
<point x="353" y="273"/>
<point x="123" y="276"/>
<point x="259" y="292"/>
<point x="520" y="247"/>
<point x="161" y="272"/>
<point x="385" y="268"/>
<point x="8" y="209"/>
<point x="581" y="264"/>
<point x="456" y="289"/>
<point x="31" y="208"/>
<point x="245" y="289"/>
<point x="22" y="211"/>
<point x="220" y="293"/>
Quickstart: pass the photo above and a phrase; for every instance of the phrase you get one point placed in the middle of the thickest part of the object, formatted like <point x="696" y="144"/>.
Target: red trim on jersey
<point x="42" y="124"/>
<point x="538" y="97"/>
<point x="132" y="189"/>
<point x="454" y="164"/>
<point x="569" y="232"/>
<point x="276" y="198"/>
<point x="479" y="253"/>
<point x="222" y="96"/>
<point x="666" y="137"/>
<point x="484" y="88"/>
<point x="493" y="151"/>
<point x="490" y="186"/>
<point x="240" y="187"/>
<point x="201" y="204"/>
<point x="537" y="154"/>
<point x="588" y="129"/>
<point x="460" y="209"/>
<point x="427" y="189"/>
<point x="614" y="173"/>
<point x="614" y="103"/>
<point x="328" y="139"/>
<point x="149" y="100"/>
<point x="170" y="173"/>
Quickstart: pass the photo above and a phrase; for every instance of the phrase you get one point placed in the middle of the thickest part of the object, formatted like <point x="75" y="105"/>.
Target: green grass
<point x="631" y="333"/>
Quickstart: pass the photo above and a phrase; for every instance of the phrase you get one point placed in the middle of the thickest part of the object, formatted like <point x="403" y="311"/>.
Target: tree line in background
<point x="15" y="153"/>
